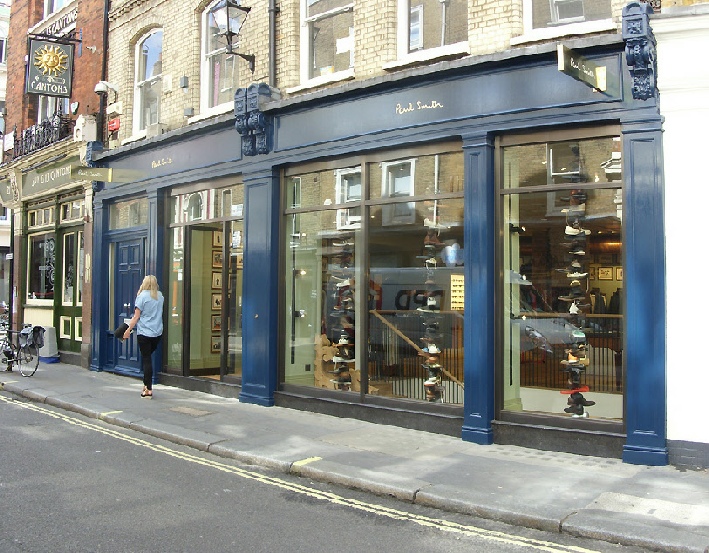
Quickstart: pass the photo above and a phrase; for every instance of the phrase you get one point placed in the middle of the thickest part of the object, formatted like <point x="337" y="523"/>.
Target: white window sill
<point x="324" y="79"/>
<point x="450" y="50"/>
<point x="30" y="302"/>
<point x="548" y="33"/>
<point x="208" y="113"/>
<point x="140" y="135"/>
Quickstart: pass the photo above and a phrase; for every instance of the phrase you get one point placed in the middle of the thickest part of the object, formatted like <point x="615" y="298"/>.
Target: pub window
<point x="40" y="217"/>
<point x="71" y="211"/>
<point x="40" y="265"/>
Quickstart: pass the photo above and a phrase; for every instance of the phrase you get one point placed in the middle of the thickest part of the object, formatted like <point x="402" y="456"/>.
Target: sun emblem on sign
<point x="51" y="60"/>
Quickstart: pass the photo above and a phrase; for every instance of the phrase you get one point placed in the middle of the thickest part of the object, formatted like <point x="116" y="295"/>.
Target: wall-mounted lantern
<point x="229" y="16"/>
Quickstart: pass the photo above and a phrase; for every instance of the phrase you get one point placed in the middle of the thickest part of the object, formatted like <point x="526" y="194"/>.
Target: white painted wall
<point x="683" y="81"/>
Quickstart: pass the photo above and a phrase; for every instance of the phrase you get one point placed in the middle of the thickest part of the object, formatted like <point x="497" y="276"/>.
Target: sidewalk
<point x="657" y="508"/>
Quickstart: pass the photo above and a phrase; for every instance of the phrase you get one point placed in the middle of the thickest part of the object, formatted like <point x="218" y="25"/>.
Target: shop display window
<point x="401" y="334"/>
<point x="560" y="299"/>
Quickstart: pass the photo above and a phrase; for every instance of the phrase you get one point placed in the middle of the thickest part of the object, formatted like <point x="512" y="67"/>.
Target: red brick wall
<point x="21" y="107"/>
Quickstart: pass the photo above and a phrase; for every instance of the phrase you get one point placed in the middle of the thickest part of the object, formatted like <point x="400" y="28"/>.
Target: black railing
<point x="41" y="135"/>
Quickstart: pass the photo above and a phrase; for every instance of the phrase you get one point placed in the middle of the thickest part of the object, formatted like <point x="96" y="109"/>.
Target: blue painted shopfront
<point x="471" y="102"/>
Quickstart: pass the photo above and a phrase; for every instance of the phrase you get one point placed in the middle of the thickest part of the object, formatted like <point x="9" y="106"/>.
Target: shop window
<point x="40" y="266"/>
<point x="220" y="75"/>
<point x="327" y="42"/>
<point x="400" y="334"/>
<point x="148" y="80"/>
<point x="129" y="213"/>
<point x="432" y="25"/>
<point x="561" y="295"/>
<point x="207" y="205"/>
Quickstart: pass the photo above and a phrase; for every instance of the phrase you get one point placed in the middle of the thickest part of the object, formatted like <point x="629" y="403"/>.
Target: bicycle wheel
<point x="28" y="359"/>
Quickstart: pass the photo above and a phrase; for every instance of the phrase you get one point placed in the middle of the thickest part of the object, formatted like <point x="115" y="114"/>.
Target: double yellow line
<point x="373" y="508"/>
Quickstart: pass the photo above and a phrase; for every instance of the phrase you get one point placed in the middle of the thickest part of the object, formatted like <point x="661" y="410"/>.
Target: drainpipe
<point x="104" y="74"/>
<point x="272" y="11"/>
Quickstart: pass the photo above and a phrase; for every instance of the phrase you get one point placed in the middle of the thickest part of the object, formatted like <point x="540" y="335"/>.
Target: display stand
<point x="576" y="354"/>
<point x="432" y="317"/>
<point x="341" y="332"/>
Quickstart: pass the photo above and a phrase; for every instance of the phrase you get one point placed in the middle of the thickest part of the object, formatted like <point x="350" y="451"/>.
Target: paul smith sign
<point x="581" y="69"/>
<point x="402" y="109"/>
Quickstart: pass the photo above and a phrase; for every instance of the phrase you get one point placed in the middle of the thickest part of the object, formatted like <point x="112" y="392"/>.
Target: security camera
<point x="102" y="87"/>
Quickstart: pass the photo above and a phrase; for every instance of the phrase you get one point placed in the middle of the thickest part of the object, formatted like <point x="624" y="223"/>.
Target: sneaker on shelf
<point x="432" y="224"/>
<point x="431" y="381"/>
<point x="571" y="231"/>
<point x="432" y="349"/>
<point x="432" y="239"/>
<point x="344" y="283"/>
<point x="574" y="410"/>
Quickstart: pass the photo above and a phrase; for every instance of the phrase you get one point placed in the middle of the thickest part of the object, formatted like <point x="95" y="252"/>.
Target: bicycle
<point x="23" y="353"/>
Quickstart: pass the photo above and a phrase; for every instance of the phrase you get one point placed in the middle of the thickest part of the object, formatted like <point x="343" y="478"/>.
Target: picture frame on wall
<point x="217" y="238"/>
<point x="591" y="273"/>
<point x="605" y="273"/>
<point x="216" y="259"/>
<point x="216" y="302"/>
<point x="216" y="345"/>
<point x="216" y="281"/>
<point x="619" y="273"/>
<point x="216" y="323"/>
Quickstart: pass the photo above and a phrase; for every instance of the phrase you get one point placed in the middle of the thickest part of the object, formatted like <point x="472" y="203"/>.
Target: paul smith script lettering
<point x="408" y="108"/>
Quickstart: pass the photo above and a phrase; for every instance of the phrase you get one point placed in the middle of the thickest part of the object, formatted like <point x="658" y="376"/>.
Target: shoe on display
<point x="338" y="359"/>
<point x="432" y="239"/>
<point x="432" y="349"/>
<point x="572" y="231"/>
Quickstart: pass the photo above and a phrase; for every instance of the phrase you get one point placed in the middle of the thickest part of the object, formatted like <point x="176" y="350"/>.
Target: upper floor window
<point x="435" y="23"/>
<point x="148" y="80"/>
<point x="219" y="69"/>
<point x="563" y="12"/>
<point x="3" y="50"/>
<point x="52" y="6"/>
<point x="49" y="106"/>
<point x="327" y="47"/>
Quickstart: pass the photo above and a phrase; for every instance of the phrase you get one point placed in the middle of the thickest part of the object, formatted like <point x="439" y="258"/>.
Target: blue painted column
<point x="154" y="260"/>
<point x="644" y="276"/>
<point x="261" y="292"/>
<point x="99" y="287"/>
<point x="479" y="337"/>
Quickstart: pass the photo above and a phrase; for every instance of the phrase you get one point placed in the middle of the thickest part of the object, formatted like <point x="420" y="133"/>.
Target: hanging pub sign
<point x="50" y="67"/>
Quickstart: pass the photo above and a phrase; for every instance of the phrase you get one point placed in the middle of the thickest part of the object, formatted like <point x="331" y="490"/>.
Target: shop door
<point x="130" y="267"/>
<point x="203" y="301"/>
<point x="71" y="271"/>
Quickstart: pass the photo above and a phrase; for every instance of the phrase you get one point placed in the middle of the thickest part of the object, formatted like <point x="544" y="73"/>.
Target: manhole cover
<point x="191" y="411"/>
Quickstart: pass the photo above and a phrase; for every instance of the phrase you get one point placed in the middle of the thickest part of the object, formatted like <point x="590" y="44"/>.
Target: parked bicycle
<point x="20" y="348"/>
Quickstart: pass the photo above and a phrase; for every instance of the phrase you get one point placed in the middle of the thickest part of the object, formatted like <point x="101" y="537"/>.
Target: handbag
<point x="120" y="331"/>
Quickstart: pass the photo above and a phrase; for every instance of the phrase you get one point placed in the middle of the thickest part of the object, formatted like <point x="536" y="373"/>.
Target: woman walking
<point x="147" y="320"/>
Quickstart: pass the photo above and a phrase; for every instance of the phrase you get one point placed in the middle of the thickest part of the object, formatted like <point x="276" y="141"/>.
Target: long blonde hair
<point x="150" y="283"/>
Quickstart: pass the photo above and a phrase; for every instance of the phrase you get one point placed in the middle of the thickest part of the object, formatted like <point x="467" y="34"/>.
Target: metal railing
<point x="41" y="135"/>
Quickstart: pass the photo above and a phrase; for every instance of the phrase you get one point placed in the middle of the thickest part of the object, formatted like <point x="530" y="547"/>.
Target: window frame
<point x="45" y="235"/>
<point x="389" y="215"/>
<point x="139" y="125"/>
<point x="306" y="49"/>
<point x="207" y="77"/>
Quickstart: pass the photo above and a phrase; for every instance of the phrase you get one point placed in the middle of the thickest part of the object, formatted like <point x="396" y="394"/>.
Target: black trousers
<point x="147" y="345"/>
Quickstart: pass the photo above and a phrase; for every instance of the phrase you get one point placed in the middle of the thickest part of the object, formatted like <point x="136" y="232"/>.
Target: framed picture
<point x="619" y="273"/>
<point x="216" y="302"/>
<point x="217" y="259"/>
<point x="216" y="344"/>
<point x="217" y="238"/>
<point x="591" y="273"/>
<point x="216" y="323"/>
<point x="216" y="281"/>
<point x="605" y="273"/>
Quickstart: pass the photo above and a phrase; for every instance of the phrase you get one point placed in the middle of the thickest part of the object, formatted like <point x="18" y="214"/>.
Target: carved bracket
<point x="640" y="49"/>
<point x="253" y="125"/>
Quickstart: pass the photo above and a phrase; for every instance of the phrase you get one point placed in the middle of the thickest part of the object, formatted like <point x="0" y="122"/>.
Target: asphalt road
<point x="72" y="484"/>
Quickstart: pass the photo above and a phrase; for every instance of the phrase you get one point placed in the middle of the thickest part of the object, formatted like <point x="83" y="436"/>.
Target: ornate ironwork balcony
<point x="41" y="135"/>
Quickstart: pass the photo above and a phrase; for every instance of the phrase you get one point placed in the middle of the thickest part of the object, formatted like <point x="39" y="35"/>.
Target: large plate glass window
<point x="561" y="296"/>
<point x="374" y="293"/>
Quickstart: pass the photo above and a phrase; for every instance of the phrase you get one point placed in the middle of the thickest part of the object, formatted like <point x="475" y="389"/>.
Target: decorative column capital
<point x="640" y="49"/>
<point x="252" y="124"/>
